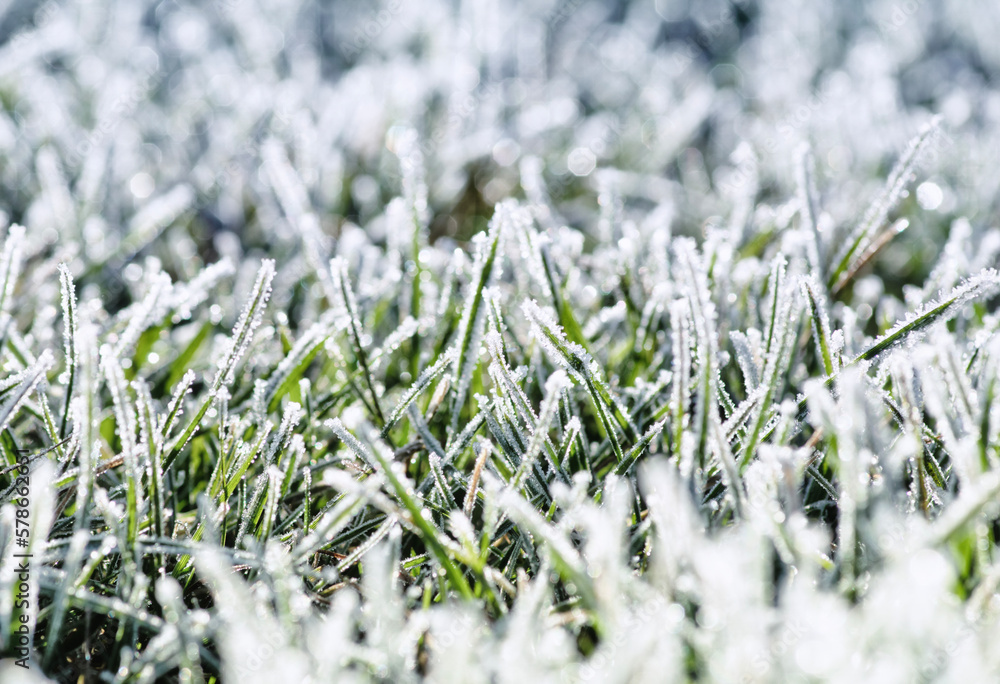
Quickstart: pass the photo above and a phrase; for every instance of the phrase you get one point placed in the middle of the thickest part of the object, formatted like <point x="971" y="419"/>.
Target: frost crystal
<point x="250" y="318"/>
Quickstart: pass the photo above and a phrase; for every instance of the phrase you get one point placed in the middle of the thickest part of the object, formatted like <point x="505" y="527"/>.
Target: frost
<point x="294" y="200"/>
<point x="70" y="325"/>
<point x="185" y="298"/>
<point x="19" y="387"/>
<point x="144" y="314"/>
<point x="852" y="254"/>
<point x="983" y="285"/>
<point x="470" y="328"/>
<point x="156" y="216"/>
<point x="249" y="321"/>
<point x="300" y="354"/>
<point x="500" y="342"/>
<point x="10" y="267"/>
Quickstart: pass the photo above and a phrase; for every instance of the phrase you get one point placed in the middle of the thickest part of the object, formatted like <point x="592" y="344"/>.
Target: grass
<point x="678" y="417"/>
<point x="274" y="457"/>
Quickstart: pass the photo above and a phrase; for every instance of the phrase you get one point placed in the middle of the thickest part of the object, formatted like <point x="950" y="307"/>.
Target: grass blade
<point x="470" y="328"/>
<point x="981" y="286"/>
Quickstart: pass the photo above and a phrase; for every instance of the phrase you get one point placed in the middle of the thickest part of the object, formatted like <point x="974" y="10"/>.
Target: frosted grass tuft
<point x="249" y="321"/>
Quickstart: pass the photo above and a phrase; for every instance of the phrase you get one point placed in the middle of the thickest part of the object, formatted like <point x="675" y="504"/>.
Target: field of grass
<point x="495" y="341"/>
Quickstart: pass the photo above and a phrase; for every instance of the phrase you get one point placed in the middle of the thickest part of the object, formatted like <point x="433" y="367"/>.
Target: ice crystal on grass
<point x="470" y="329"/>
<point x="10" y="267"/>
<point x="980" y="286"/>
<point x="250" y="318"/>
<point x="499" y="342"/>
<point x="19" y="388"/>
<point x="852" y="255"/>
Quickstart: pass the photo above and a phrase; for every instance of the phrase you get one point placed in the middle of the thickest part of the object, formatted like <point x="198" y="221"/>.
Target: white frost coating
<point x="421" y="383"/>
<point x="344" y="435"/>
<point x="159" y="214"/>
<point x="306" y="345"/>
<point x="176" y="407"/>
<point x="549" y="334"/>
<point x="70" y="323"/>
<point x="145" y="313"/>
<point x="703" y="317"/>
<point x="878" y="211"/>
<point x="534" y="274"/>
<point x="809" y="212"/>
<point x="539" y="432"/>
<point x="55" y="188"/>
<point x="287" y="185"/>
<point x="124" y="411"/>
<point x="470" y="328"/>
<point x="815" y="296"/>
<point x="23" y="385"/>
<point x="184" y="298"/>
<point x="406" y="329"/>
<point x="385" y="134"/>
<point x="985" y="284"/>
<point x="294" y="199"/>
<point x="290" y="418"/>
<point x="746" y="359"/>
<point x="708" y="425"/>
<point x="581" y="367"/>
<point x="680" y="372"/>
<point x="504" y="377"/>
<point x="242" y="336"/>
<point x="345" y="302"/>
<point x="10" y="267"/>
<point x="783" y="309"/>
